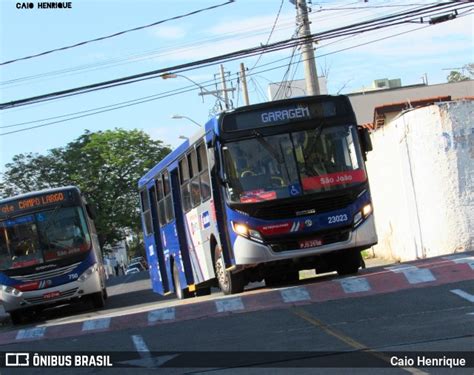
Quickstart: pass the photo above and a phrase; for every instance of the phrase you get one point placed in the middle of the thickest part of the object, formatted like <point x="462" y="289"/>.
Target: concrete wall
<point x="422" y="181"/>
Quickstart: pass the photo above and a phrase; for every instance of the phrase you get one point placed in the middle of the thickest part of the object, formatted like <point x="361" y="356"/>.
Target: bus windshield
<point x="42" y="237"/>
<point x="292" y="164"/>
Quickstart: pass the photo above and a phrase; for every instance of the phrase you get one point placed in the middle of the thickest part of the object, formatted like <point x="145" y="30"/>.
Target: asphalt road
<point x="324" y="334"/>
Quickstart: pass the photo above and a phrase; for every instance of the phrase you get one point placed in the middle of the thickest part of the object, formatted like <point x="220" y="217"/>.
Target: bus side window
<point x="195" y="188"/>
<point x="169" y="211"/>
<point x="203" y="172"/>
<point x="185" y="186"/>
<point x="146" y="212"/>
<point x="160" y="201"/>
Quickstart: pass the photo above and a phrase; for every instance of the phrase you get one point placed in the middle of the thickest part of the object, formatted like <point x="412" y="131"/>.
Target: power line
<point x="175" y="48"/>
<point x="269" y="35"/>
<point x="182" y="90"/>
<point x="358" y="28"/>
<point x="152" y="53"/>
<point x="116" y="34"/>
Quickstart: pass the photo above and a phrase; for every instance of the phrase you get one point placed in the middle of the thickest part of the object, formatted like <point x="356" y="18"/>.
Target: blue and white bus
<point x="49" y="252"/>
<point x="262" y="192"/>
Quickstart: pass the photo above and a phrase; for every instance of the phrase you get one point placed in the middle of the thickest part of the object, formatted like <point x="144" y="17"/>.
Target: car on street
<point x="134" y="268"/>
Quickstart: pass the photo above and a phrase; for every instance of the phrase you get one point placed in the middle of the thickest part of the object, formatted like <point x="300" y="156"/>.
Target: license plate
<point x="51" y="295"/>
<point x="306" y="244"/>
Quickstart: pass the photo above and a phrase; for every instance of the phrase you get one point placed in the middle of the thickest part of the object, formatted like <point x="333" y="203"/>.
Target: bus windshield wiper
<point x="259" y="137"/>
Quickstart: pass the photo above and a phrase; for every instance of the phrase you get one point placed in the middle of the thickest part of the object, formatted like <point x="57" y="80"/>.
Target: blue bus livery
<point x="49" y="252"/>
<point x="260" y="193"/>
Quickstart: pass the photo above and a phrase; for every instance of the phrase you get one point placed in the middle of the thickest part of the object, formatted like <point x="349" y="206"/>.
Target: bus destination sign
<point x="274" y="116"/>
<point x="27" y="203"/>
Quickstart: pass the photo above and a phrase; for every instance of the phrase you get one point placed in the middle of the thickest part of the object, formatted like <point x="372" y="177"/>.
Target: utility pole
<point x="243" y="78"/>
<point x="224" y="90"/>
<point x="307" y="51"/>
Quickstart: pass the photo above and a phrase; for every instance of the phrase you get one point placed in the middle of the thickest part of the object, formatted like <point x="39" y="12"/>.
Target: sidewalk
<point x="378" y="262"/>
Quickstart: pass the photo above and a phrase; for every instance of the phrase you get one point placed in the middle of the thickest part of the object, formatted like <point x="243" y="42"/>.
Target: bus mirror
<point x="91" y="211"/>
<point x="365" y="140"/>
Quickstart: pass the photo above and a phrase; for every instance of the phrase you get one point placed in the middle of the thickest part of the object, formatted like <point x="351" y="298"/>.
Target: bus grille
<point x="326" y="237"/>
<point x="37" y="276"/>
<point x="39" y="299"/>
<point x="290" y="210"/>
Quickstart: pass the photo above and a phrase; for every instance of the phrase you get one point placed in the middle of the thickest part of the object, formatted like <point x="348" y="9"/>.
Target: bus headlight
<point x="367" y="210"/>
<point x="11" y="290"/>
<point x="244" y="231"/>
<point x="88" y="272"/>
<point x="362" y="214"/>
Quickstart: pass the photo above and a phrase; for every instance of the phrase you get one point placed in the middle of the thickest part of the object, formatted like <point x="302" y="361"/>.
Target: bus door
<point x="196" y="195"/>
<point x="156" y="258"/>
<point x="151" y="247"/>
<point x="188" y="266"/>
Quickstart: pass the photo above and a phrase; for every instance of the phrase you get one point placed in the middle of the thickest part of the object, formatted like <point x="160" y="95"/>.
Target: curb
<point x="417" y="274"/>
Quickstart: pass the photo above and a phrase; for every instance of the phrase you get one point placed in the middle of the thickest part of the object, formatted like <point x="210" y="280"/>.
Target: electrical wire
<point x="116" y="34"/>
<point x="375" y="24"/>
<point x="173" y="49"/>
<point x="269" y="35"/>
<point x="148" y="55"/>
<point x="188" y="89"/>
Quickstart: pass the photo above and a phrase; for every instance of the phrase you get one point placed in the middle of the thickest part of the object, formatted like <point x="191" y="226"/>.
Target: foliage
<point x="105" y="165"/>
<point x="466" y="73"/>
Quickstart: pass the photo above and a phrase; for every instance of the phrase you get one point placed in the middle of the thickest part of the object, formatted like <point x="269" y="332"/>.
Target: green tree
<point x="466" y="73"/>
<point x="105" y="165"/>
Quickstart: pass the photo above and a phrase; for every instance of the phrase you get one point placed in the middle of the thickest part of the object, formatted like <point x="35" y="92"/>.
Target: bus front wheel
<point x="16" y="317"/>
<point x="98" y="300"/>
<point x="229" y="283"/>
<point x="349" y="263"/>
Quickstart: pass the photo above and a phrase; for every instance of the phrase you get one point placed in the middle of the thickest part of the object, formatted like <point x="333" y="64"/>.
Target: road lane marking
<point x="91" y="325"/>
<point x="140" y="346"/>
<point x="143" y="351"/>
<point x="295" y="295"/>
<point x="229" y="304"/>
<point x="31" y="333"/>
<point x="349" y="340"/>
<point x="463" y="294"/>
<point x="355" y="284"/>
<point x="168" y="313"/>
<point x="146" y="359"/>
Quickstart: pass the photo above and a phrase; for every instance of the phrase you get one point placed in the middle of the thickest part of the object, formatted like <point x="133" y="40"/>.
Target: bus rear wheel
<point x="229" y="282"/>
<point x="180" y="292"/>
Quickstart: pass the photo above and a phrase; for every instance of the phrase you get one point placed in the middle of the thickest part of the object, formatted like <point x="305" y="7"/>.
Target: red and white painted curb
<point x="428" y="272"/>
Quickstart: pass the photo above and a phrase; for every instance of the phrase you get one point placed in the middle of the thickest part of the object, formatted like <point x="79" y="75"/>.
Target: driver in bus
<point x="68" y="235"/>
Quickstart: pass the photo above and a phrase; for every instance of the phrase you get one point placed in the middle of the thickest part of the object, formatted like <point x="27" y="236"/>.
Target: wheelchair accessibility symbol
<point x="294" y="190"/>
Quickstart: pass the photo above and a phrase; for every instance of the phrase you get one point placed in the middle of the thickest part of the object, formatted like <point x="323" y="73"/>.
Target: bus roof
<point x="209" y="128"/>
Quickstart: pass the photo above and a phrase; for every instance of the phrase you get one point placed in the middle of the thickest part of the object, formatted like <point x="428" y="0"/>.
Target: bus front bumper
<point x="248" y="252"/>
<point x="51" y="296"/>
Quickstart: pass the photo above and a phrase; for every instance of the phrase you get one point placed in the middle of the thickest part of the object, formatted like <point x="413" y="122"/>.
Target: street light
<point x="183" y="137"/>
<point x="177" y="117"/>
<point x="174" y="75"/>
